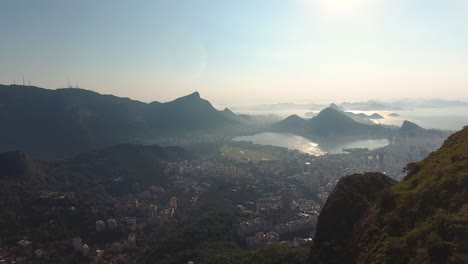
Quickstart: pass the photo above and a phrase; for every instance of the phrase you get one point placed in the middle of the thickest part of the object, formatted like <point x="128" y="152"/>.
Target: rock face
<point x="422" y="219"/>
<point x="343" y="209"/>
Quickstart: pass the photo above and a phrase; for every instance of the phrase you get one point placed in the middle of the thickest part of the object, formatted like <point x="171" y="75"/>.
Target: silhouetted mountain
<point x="189" y="113"/>
<point x="61" y="123"/>
<point x="411" y="129"/>
<point x="371" y="106"/>
<point x="376" y="116"/>
<point x="343" y="209"/>
<point x="334" y="106"/>
<point x="394" y="115"/>
<point x="227" y="112"/>
<point x="332" y="122"/>
<point x="291" y="123"/>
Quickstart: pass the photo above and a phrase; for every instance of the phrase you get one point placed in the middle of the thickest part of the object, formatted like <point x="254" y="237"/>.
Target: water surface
<point x="306" y="145"/>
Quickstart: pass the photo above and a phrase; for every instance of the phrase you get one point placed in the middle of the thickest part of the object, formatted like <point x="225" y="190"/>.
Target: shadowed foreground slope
<point x="422" y="219"/>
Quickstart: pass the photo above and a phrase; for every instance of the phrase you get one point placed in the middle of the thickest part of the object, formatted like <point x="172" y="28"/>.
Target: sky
<point x="240" y="52"/>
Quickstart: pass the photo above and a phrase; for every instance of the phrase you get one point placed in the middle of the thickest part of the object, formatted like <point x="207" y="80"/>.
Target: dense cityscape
<point x="276" y="200"/>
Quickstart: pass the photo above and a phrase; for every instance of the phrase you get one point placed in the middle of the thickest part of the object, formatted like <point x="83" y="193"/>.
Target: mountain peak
<point x="410" y="128"/>
<point x="334" y="106"/>
<point x="293" y="122"/>
<point x="194" y="95"/>
<point x="331" y="111"/>
<point x="227" y="110"/>
<point x="294" y="117"/>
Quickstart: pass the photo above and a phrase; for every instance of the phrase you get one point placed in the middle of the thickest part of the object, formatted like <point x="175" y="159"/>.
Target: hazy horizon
<point x="240" y="53"/>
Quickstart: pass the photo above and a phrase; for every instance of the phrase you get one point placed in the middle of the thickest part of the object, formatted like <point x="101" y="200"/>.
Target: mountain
<point x="342" y="210"/>
<point x="422" y="219"/>
<point x="333" y="122"/>
<point x="376" y="116"/>
<point x="291" y="123"/>
<point x="334" y="106"/>
<point x="371" y="106"/>
<point x="411" y="129"/>
<point x="330" y="122"/>
<point x="61" y="123"/>
<point x="230" y="114"/>
<point x="188" y="113"/>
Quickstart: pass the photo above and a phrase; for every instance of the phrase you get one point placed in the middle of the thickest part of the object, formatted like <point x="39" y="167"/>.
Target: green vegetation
<point x="424" y="218"/>
<point x="245" y="154"/>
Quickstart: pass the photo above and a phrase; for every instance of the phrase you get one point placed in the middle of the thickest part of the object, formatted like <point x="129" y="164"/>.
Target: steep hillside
<point x="32" y="191"/>
<point x="422" y="219"/>
<point x="343" y="209"/>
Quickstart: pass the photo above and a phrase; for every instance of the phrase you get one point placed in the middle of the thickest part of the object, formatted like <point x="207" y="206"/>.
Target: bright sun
<point x="340" y="5"/>
<point x="342" y="8"/>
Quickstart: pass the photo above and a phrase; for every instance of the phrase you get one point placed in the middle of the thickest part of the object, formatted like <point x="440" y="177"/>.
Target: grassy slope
<point x="424" y="218"/>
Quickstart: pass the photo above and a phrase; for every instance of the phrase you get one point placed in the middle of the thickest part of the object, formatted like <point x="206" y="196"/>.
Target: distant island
<point x="376" y="116"/>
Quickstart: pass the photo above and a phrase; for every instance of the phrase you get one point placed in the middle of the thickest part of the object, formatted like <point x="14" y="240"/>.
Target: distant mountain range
<point x="61" y="123"/>
<point x="330" y="122"/>
<point x="371" y="105"/>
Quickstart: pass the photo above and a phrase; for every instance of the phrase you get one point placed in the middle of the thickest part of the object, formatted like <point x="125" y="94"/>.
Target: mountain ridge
<point x="70" y="121"/>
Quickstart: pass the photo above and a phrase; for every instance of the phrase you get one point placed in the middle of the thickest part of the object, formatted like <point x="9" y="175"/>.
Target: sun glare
<point x="340" y="5"/>
<point x="341" y="8"/>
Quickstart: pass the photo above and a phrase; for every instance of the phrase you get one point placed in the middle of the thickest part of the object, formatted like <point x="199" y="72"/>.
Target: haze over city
<point x="240" y="52"/>
<point x="234" y="132"/>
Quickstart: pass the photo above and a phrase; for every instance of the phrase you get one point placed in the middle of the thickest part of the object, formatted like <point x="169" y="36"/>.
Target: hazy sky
<point x="242" y="51"/>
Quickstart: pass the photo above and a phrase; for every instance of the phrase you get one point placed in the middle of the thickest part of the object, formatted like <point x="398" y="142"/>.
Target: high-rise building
<point x="152" y="210"/>
<point x="173" y="203"/>
<point x="100" y="226"/>
<point x="24" y="248"/>
<point x="111" y="224"/>
<point x="136" y="188"/>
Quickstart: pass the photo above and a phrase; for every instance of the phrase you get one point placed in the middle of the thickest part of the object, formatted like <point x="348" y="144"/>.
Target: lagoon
<point x="295" y="142"/>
